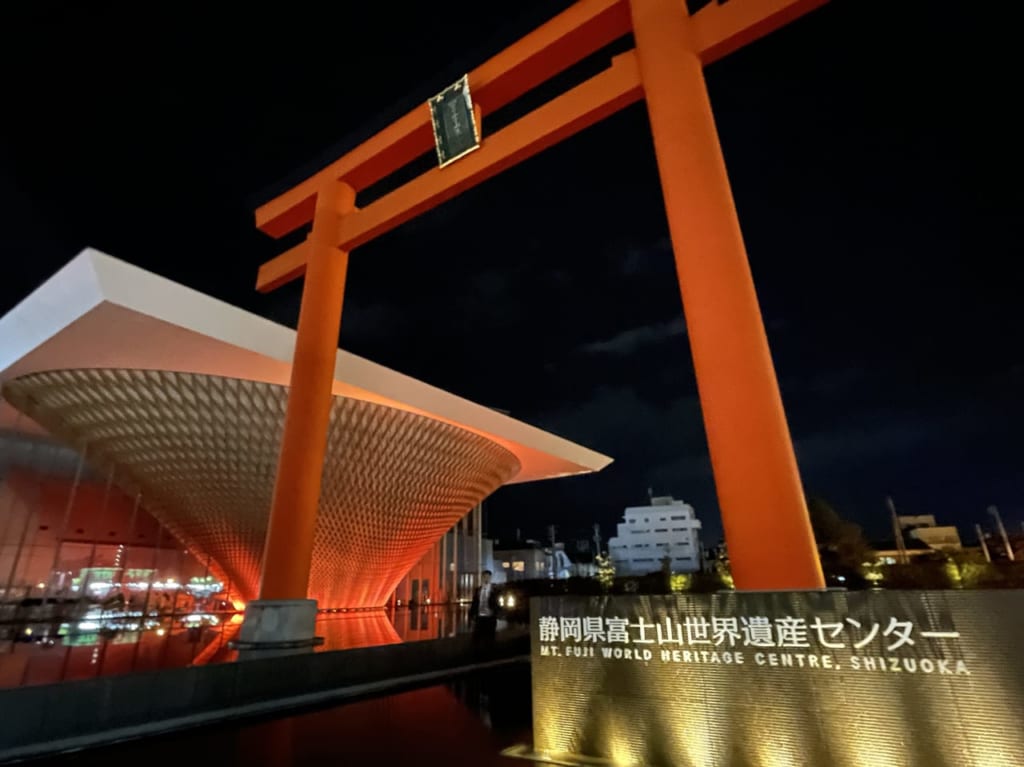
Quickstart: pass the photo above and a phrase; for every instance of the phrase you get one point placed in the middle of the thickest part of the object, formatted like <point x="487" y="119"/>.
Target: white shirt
<point x="485" y="601"/>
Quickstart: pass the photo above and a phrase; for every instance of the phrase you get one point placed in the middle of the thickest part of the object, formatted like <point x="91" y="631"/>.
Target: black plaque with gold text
<point x="455" y="130"/>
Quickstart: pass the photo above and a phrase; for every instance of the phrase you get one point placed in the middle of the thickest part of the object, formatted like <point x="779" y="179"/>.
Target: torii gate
<point x="771" y="545"/>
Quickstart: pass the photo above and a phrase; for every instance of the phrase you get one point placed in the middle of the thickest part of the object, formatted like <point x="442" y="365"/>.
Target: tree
<point x="680" y="582"/>
<point x="721" y="567"/>
<point x="970" y="569"/>
<point x="666" y="570"/>
<point x="841" y="543"/>
<point x="605" y="570"/>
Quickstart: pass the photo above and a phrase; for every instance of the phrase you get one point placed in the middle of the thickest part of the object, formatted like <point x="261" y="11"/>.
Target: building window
<point x="677" y="518"/>
<point x="661" y="529"/>
<point x="519" y="566"/>
<point x="505" y="565"/>
<point x="540" y="566"/>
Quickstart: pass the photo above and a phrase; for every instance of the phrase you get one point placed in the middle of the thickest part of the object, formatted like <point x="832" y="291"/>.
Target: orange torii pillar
<point x="283" y="619"/>
<point x="759" y="490"/>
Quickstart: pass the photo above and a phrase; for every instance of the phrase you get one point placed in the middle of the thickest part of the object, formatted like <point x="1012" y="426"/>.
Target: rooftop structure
<point x="648" y="534"/>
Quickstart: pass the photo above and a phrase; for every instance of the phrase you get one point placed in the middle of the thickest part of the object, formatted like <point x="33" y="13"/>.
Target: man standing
<point x="483" y="610"/>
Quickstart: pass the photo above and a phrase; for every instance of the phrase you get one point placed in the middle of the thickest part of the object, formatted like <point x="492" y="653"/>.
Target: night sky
<point x="875" y="167"/>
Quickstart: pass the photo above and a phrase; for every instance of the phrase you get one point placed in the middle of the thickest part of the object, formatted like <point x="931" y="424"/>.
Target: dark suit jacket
<point x="492" y="602"/>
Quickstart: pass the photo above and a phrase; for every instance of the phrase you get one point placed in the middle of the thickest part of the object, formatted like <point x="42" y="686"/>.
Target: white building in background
<point x="924" y="528"/>
<point x="648" y="534"/>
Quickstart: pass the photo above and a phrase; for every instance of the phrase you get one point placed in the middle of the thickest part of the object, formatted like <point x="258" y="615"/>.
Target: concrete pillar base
<point x="274" y="627"/>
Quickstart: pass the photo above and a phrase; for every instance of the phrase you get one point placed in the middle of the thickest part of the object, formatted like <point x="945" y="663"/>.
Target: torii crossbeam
<point x="767" y="529"/>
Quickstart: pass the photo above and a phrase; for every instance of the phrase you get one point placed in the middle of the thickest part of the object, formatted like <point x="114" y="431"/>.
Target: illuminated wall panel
<point x="854" y="679"/>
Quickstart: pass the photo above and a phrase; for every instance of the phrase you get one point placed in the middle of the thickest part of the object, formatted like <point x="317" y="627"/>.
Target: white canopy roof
<point x="99" y="312"/>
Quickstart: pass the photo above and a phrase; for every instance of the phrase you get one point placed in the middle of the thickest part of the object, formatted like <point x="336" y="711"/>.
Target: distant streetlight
<point x="897" y="531"/>
<point x="1002" y="531"/>
<point x="981" y="540"/>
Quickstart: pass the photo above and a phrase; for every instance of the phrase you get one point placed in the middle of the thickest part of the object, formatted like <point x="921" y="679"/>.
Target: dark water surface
<point x="466" y="721"/>
<point x="118" y="643"/>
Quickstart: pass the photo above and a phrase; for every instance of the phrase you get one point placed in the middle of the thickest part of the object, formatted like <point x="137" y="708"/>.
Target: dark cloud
<point x="644" y="262"/>
<point x="628" y="341"/>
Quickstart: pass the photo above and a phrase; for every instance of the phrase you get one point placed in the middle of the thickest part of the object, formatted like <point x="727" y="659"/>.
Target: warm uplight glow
<point x="953" y="573"/>
<point x="161" y="632"/>
<point x="954" y="692"/>
<point x="680" y="581"/>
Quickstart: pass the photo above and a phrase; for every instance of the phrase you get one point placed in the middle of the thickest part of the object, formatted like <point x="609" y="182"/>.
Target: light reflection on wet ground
<point x="467" y="721"/>
<point x="32" y="654"/>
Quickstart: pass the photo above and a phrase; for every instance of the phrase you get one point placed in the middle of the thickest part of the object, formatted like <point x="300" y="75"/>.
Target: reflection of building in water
<point x="648" y="534"/>
<point x="360" y="629"/>
<point x="369" y="628"/>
